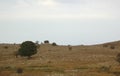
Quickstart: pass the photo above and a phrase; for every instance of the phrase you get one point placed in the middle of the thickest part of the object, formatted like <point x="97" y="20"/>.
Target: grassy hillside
<point x="94" y="60"/>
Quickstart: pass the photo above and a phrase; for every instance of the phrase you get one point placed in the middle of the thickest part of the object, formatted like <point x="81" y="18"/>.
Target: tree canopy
<point x="27" y="48"/>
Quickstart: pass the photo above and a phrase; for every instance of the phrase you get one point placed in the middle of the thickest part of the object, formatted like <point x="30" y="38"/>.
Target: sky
<point x="65" y="22"/>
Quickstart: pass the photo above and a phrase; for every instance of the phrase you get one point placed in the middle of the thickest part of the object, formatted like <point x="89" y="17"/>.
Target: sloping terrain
<point x="69" y="62"/>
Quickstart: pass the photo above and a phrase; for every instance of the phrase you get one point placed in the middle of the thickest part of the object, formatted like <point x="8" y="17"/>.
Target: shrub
<point x="6" y="47"/>
<point x="49" y="62"/>
<point x="69" y="47"/>
<point x="27" y="48"/>
<point x="19" y="70"/>
<point x="46" y="42"/>
<point x="112" y="47"/>
<point x="54" y="44"/>
<point x="7" y="67"/>
<point x="105" y="45"/>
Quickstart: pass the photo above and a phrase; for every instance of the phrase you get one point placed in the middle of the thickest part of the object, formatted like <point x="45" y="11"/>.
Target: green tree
<point x="54" y="44"/>
<point x="27" y="48"/>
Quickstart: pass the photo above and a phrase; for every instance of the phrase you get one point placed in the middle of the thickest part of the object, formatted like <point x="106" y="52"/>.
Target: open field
<point x="94" y="60"/>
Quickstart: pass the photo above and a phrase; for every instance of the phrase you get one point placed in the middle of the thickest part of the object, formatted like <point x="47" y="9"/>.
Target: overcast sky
<point x="66" y="22"/>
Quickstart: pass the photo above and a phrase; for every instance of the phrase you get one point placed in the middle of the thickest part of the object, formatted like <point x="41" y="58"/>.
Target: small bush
<point x="69" y="47"/>
<point x="7" y="67"/>
<point x="105" y="45"/>
<point x="54" y="44"/>
<point x="112" y="47"/>
<point x="49" y="62"/>
<point x="19" y="70"/>
<point x="6" y="47"/>
<point x="46" y="42"/>
<point x="49" y="50"/>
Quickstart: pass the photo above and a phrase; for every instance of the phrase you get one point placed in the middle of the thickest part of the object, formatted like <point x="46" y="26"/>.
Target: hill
<point x="62" y="61"/>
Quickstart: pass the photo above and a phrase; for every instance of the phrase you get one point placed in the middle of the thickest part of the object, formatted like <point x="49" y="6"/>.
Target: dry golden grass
<point x="94" y="60"/>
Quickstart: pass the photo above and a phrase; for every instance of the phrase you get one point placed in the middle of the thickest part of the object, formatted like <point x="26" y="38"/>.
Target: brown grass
<point x="59" y="61"/>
